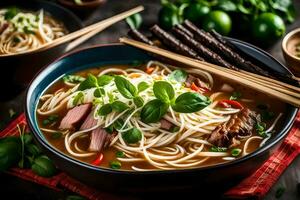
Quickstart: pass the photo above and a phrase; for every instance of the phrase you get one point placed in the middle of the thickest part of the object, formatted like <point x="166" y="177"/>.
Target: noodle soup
<point x="154" y="116"/>
<point x="21" y="30"/>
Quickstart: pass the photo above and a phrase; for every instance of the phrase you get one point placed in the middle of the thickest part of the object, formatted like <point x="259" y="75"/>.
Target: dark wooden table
<point x="16" y="188"/>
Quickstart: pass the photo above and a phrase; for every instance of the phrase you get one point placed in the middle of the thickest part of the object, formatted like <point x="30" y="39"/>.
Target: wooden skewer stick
<point x="214" y="70"/>
<point x="87" y="32"/>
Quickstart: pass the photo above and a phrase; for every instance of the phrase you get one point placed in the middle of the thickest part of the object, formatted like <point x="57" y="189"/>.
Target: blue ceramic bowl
<point x="216" y="175"/>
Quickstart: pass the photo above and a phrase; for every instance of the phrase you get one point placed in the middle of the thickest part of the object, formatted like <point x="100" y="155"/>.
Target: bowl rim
<point x="84" y="4"/>
<point x="56" y="6"/>
<point x="285" y="40"/>
<point x="75" y="161"/>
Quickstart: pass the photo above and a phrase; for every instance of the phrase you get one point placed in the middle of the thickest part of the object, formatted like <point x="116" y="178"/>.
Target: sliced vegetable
<point x="230" y="103"/>
<point x="236" y="152"/>
<point x="195" y="87"/>
<point x="120" y="154"/>
<point x="115" y="164"/>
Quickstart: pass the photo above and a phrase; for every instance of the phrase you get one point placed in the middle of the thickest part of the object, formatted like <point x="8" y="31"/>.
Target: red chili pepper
<point x="149" y="70"/>
<point x="230" y="103"/>
<point x="197" y="88"/>
<point x="98" y="160"/>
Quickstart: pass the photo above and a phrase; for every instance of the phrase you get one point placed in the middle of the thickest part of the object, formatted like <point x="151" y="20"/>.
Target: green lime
<point x="217" y="20"/>
<point x="195" y="12"/>
<point x="268" y="27"/>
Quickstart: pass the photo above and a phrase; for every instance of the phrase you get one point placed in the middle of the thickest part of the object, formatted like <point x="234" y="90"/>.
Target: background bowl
<point x="85" y="6"/>
<point x="20" y="69"/>
<point x="288" y="43"/>
<point x="220" y="176"/>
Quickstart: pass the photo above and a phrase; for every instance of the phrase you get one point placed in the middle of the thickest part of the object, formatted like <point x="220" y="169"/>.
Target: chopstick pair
<point x="84" y="33"/>
<point x="280" y="90"/>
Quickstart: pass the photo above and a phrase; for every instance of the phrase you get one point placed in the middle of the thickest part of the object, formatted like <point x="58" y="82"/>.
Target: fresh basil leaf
<point x="97" y="93"/>
<point x="226" y="5"/>
<point x="105" y="110"/>
<point x="78" y="99"/>
<point x="28" y="138"/>
<point x="104" y="80"/>
<point x="127" y="89"/>
<point x="142" y="86"/>
<point x="132" y="136"/>
<point x="178" y="75"/>
<point x="134" y="21"/>
<point x="190" y="102"/>
<point x="138" y="101"/>
<point x="89" y="82"/>
<point x="73" y="79"/>
<point x="119" y="106"/>
<point x="117" y="125"/>
<point x="43" y="166"/>
<point x="164" y="91"/>
<point x="153" y="111"/>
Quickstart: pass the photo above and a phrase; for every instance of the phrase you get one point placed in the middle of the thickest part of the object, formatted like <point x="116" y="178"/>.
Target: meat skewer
<point x="137" y="35"/>
<point x="202" y="50"/>
<point x="173" y="43"/>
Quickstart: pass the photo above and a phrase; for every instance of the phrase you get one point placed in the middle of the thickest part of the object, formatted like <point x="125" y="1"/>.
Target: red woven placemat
<point x="257" y="185"/>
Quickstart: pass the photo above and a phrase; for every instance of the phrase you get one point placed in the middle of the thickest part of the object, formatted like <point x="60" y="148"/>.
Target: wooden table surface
<point x="20" y="189"/>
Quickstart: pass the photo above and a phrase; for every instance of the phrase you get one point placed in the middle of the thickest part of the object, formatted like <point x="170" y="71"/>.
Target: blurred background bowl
<point x="20" y="69"/>
<point x="85" y="6"/>
<point x="289" y="43"/>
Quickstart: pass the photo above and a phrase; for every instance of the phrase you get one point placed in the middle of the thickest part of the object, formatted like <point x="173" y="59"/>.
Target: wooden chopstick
<point x="95" y="28"/>
<point x="214" y="69"/>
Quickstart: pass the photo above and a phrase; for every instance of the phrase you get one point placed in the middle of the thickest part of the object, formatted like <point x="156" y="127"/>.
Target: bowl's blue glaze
<point x="120" y="54"/>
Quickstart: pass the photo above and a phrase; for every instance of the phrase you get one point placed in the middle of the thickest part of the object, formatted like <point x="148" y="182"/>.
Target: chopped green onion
<point x="235" y="96"/>
<point x="115" y="164"/>
<point x="218" y="149"/>
<point x="120" y="154"/>
<point x="236" y="152"/>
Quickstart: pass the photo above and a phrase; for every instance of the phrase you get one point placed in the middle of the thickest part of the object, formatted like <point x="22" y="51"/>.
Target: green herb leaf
<point x="117" y="125"/>
<point x="119" y="106"/>
<point x="105" y="110"/>
<point x="33" y="150"/>
<point x="132" y="136"/>
<point x="73" y="79"/>
<point x="190" y="102"/>
<point x="218" y="149"/>
<point x="10" y="13"/>
<point x="138" y="101"/>
<point x="78" y="99"/>
<point x="104" y="80"/>
<point x="127" y="89"/>
<point x="43" y="166"/>
<point x="153" y="111"/>
<point x="142" y="86"/>
<point x="75" y="197"/>
<point x="134" y="21"/>
<point x="178" y="75"/>
<point x="235" y="96"/>
<point x="164" y="91"/>
<point x="236" y="152"/>
<point x="120" y="154"/>
<point x="10" y="152"/>
<point x="99" y="92"/>
<point x="89" y="82"/>
<point x="28" y="138"/>
<point x="115" y="164"/>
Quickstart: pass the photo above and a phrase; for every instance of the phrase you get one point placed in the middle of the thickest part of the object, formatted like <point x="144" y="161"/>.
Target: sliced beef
<point x="165" y="124"/>
<point x="98" y="139"/>
<point x="89" y="122"/>
<point x="192" y="79"/>
<point x="3" y="27"/>
<point x="75" y="116"/>
<point x="239" y="124"/>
